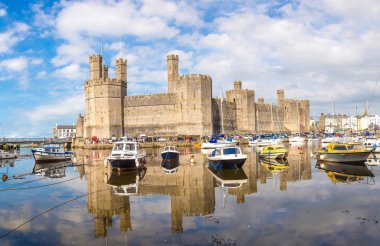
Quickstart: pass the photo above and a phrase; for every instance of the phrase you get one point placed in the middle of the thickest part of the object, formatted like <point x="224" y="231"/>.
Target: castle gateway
<point x="188" y="107"/>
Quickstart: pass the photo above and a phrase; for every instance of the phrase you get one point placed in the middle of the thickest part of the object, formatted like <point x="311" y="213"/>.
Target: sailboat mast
<point x="221" y="112"/>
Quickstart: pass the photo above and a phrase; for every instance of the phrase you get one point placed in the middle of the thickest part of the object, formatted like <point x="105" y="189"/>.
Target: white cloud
<point x="72" y="72"/>
<point x="36" y="61"/>
<point x="66" y="107"/>
<point x="14" y="64"/>
<point x="12" y="36"/>
<point x="41" y="74"/>
<point x="3" y="12"/>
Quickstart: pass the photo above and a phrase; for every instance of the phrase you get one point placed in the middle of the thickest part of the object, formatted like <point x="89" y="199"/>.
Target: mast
<point x="221" y="112"/>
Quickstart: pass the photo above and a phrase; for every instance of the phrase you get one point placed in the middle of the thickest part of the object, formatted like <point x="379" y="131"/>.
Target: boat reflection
<point x="373" y="160"/>
<point x="346" y="173"/>
<point x="274" y="165"/>
<point x="4" y="162"/>
<point x="51" y="170"/>
<point x="126" y="183"/>
<point x="170" y="165"/>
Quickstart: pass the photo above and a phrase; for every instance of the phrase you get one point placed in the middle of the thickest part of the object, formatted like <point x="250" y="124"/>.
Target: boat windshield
<point x="129" y="147"/>
<point x="340" y="147"/>
<point x="231" y="151"/>
<point x="118" y="147"/>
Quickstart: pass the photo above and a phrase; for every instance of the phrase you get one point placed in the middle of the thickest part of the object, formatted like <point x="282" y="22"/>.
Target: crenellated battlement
<point x="189" y="77"/>
<point x="93" y="58"/>
<point x="172" y="57"/>
<point x="107" y="81"/>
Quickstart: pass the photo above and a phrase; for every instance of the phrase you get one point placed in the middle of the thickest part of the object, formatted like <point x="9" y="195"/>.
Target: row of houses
<point x="64" y="131"/>
<point x="332" y="123"/>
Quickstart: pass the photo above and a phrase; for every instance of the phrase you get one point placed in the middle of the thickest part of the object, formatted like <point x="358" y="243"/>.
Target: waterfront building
<point x="187" y="108"/>
<point x="64" y="131"/>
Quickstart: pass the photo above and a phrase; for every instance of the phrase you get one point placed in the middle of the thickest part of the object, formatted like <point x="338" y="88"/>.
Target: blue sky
<point x="322" y="50"/>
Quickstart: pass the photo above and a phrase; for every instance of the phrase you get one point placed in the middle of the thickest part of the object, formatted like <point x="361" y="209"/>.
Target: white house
<point x="64" y="131"/>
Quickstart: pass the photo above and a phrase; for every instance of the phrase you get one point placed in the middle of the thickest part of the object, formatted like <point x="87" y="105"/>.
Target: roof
<point x="66" y="127"/>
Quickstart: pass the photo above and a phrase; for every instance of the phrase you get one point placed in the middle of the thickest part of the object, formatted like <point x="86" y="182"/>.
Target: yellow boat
<point x="343" y="152"/>
<point x="273" y="152"/>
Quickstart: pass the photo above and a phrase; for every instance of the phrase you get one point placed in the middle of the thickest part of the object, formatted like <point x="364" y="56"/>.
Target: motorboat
<point x="345" y="172"/>
<point x="53" y="152"/>
<point x="227" y="157"/>
<point x="170" y="153"/>
<point x="373" y="160"/>
<point x="213" y="143"/>
<point x="126" y="155"/>
<point x="273" y="152"/>
<point x="372" y="144"/>
<point x="297" y="139"/>
<point x="343" y="152"/>
<point x="7" y="155"/>
<point x="126" y="183"/>
<point x="262" y="142"/>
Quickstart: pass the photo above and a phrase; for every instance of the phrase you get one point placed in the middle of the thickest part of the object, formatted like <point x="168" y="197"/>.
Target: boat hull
<point x="343" y="157"/>
<point x="170" y="156"/>
<point x="51" y="157"/>
<point x="7" y="156"/>
<point x="227" y="163"/>
<point x="126" y="164"/>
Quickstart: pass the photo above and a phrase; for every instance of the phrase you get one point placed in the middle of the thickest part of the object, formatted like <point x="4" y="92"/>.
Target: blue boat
<point x="227" y="157"/>
<point x="53" y="152"/>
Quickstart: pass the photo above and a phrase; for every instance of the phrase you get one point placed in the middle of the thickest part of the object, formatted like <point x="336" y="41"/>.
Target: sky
<point x="322" y="50"/>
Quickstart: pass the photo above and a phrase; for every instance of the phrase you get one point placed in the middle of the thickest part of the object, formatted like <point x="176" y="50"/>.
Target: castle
<point x="188" y="107"/>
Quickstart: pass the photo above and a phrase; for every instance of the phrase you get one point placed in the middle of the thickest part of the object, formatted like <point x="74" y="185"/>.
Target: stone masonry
<point x="188" y="107"/>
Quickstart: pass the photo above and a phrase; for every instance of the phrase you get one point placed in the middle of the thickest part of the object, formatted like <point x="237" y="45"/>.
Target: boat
<point x="126" y="183"/>
<point x="273" y="152"/>
<point x="297" y="139"/>
<point x="262" y="142"/>
<point x="345" y="172"/>
<point x="53" y="152"/>
<point x="7" y="155"/>
<point x="373" y="160"/>
<point x="170" y="153"/>
<point x="372" y="144"/>
<point x="343" y="152"/>
<point x="227" y="157"/>
<point x="213" y="143"/>
<point x="126" y="155"/>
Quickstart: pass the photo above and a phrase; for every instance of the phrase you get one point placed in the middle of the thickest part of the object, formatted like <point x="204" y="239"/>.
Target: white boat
<point x="218" y="144"/>
<point x="372" y="144"/>
<point x="53" y="152"/>
<point x="227" y="157"/>
<point x="262" y="142"/>
<point x="297" y="139"/>
<point x="7" y="155"/>
<point x="126" y="155"/>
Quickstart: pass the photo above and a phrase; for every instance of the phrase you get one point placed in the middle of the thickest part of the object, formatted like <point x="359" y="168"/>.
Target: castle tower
<point x="173" y="74"/>
<point x="245" y="107"/>
<point x="104" y="116"/>
<point x="280" y="96"/>
<point x="121" y="69"/>
<point x="96" y="66"/>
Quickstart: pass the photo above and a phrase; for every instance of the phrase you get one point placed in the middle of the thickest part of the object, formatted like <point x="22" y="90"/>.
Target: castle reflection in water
<point x="191" y="188"/>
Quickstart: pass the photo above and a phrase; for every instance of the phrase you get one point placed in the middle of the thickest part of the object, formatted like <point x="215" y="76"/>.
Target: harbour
<point x="84" y="202"/>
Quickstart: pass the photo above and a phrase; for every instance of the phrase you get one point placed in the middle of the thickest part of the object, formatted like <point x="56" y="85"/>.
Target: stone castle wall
<point x="229" y="116"/>
<point x="269" y="118"/>
<point x="151" y="114"/>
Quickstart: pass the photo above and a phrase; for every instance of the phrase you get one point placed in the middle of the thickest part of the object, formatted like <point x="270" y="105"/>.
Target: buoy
<point x="4" y="177"/>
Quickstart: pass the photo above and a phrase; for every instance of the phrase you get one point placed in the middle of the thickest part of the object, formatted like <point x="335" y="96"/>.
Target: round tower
<point x="237" y="85"/>
<point x="280" y="96"/>
<point x="96" y="65"/>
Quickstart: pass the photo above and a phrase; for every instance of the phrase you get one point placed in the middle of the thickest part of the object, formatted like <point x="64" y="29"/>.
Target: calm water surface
<point x="263" y="204"/>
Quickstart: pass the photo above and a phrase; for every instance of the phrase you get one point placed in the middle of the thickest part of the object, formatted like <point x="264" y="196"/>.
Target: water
<point x="263" y="205"/>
